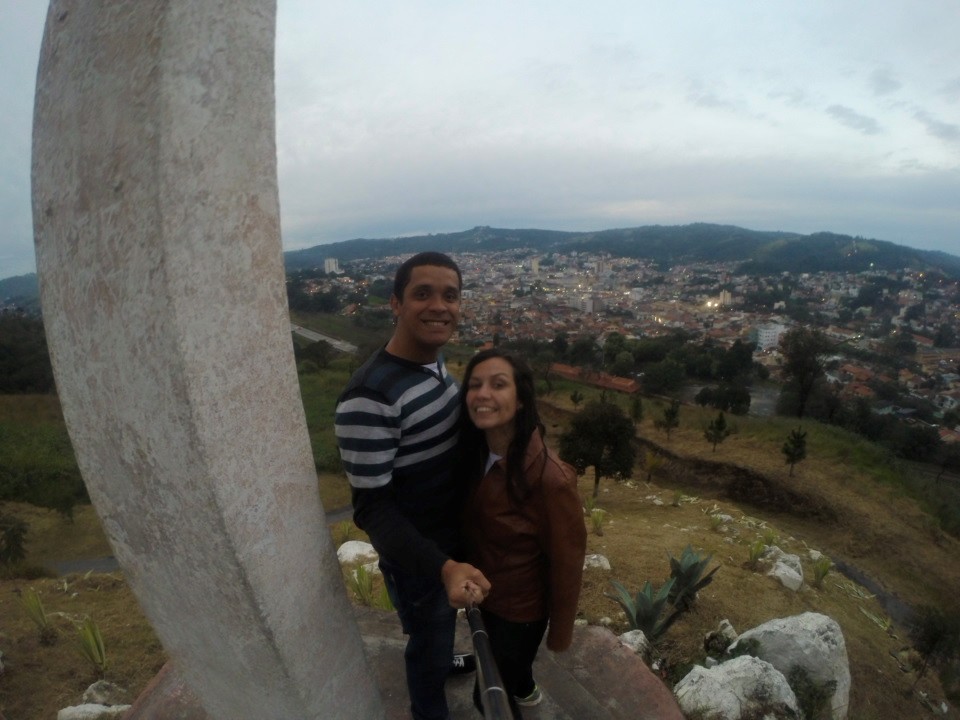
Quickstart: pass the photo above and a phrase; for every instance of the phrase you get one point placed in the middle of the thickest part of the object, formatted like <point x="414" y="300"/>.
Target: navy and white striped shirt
<point x="396" y="426"/>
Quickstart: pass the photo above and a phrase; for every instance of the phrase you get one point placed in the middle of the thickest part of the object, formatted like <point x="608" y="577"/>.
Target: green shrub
<point x="813" y="698"/>
<point x="361" y="582"/>
<point x="341" y="532"/>
<point x="688" y="577"/>
<point x="821" y="567"/>
<point x="91" y="644"/>
<point x="383" y="600"/>
<point x="597" y="516"/>
<point x="756" y="550"/>
<point x="644" y="612"/>
<point x="32" y="604"/>
<point x="13" y="531"/>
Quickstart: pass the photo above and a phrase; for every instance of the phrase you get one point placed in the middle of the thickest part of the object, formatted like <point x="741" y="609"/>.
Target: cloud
<point x="882" y="82"/>
<point x="945" y="131"/>
<point x="854" y="120"/>
<point x="951" y="89"/>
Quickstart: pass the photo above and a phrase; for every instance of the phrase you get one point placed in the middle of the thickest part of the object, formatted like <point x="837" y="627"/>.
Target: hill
<point x="758" y="252"/>
<point x="21" y="291"/>
<point x="858" y="521"/>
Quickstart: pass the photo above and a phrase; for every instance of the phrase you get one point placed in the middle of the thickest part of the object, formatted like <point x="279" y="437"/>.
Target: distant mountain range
<point x="756" y="252"/>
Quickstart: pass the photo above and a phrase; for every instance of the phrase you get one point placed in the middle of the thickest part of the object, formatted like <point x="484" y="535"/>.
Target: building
<point x="768" y="335"/>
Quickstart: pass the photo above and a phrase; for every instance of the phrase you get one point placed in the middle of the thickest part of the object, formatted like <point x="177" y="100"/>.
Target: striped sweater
<point x="396" y="426"/>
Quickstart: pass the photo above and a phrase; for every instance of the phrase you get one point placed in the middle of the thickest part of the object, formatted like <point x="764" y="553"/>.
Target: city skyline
<point x="440" y="117"/>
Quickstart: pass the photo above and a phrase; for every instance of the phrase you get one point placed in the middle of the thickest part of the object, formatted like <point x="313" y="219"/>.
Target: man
<point x="396" y="425"/>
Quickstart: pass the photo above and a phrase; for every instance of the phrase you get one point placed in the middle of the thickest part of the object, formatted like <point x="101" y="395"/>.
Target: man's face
<point x="427" y="314"/>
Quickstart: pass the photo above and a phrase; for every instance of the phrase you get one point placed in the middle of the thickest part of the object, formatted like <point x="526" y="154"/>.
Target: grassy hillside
<point x="845" y="500"/>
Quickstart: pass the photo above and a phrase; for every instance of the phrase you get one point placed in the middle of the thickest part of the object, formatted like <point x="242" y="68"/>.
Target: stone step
<point x="597" y="679"/>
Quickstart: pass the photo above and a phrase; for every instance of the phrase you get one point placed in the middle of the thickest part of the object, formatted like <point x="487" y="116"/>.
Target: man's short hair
<point x="430" y="257"/>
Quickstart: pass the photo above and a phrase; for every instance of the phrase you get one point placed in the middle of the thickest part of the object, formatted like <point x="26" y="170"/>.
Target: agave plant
<point x="688" y="576"/>
<point x="644" y="612"/>
<point x="91" y="644"/>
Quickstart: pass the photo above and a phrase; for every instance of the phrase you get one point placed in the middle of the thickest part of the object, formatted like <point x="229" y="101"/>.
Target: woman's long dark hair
<point x="473" y="443"/>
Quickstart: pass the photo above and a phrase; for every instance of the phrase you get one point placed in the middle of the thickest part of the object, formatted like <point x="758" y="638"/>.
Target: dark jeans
<point x="429" y="622"/>
<point x="514" y="648"/>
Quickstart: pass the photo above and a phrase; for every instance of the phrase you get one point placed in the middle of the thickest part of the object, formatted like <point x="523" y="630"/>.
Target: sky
<point x="402" y="118"/>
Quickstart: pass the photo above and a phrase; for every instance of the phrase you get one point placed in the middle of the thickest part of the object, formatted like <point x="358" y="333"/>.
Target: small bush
<point x="361" y="582"/>
<point x="813" y="698"/>
<point x="383" y="600"/>
<point x="13" y="532"/>
<point x="597" y="516"/>
<point x="755" y="553"/>
<point x="644" y="612"/>
<point x="91" y="644"/>
<point x="25" y="571"/>
<point x="342" y="532"/>
<point x="821" y="567"/>
<point x="688" y="576"/>
<point x="32" y="604"/>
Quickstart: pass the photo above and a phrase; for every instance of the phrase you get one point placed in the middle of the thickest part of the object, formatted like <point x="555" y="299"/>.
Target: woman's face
<point x="492" y="396"/>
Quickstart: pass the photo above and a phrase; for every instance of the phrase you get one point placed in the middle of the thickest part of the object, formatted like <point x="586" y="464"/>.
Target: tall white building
<point x="768" y="335"/>
<point x="331" y="265"/>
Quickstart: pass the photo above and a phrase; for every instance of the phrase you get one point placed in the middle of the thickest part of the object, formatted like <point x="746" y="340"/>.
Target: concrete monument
<point x="161" y="276"/>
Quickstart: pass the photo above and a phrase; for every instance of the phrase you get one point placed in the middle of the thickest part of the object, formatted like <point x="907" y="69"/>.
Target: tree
<point x="729" y="398"/>
<point x="584" y="352"/>
<point x="803" y="350"/>
<point x="636" y="409"/>
<point x="622" y="365"/>
<point x="24" y="359"/>
<point x="936" y="636"/>
<point x="717" y="431"/>
<point x="670" y="419"/>
<point x="662" y="377"/>
<point x="601" y="436"/>
<point x="652" y="461"/>
<point x="576" y="397"/>
<point x="560" y="344"/>
<point x="795" y="448"/>
<point x="13" y="532"/>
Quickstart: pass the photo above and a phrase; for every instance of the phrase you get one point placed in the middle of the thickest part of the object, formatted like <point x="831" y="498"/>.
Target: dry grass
<point x="870" y="526"/>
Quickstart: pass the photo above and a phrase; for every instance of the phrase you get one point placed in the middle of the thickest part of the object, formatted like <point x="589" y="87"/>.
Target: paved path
<point x="340" y="345"/>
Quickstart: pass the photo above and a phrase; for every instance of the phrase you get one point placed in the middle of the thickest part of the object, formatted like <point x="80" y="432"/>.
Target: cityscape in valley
<point x="893" y="333"/>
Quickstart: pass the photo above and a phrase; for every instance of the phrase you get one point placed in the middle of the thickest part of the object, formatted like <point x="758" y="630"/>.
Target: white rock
<point x="735" y="689"/>
<point x="787" y="575"/>
<point x="92" y="711"/>
<point x="636" y="641"/>
<point x="811" y="641"/>
<point x="596" y="561"/>
<point x="356" y="551"/>
<point x="775" y="555"/>
<point x="103" y="692"/>
<point x="815" y="555"/>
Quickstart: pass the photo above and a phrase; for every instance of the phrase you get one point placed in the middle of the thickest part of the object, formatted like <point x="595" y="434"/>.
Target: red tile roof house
<point x="601" y="380"/>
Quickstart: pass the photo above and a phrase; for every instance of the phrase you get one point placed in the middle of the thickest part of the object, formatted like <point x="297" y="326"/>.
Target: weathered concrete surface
<point x="162" y="284"/>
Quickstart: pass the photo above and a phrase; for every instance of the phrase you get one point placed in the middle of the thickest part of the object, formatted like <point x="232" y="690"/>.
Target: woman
<point x="523" y="520"/>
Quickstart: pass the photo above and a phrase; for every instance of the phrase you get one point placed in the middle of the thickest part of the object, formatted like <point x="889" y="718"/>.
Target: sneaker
<point x="532" y="699"/>
<point x="463" y="663"/>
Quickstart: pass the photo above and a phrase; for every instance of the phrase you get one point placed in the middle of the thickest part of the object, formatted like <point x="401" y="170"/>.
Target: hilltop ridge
<point x="759" y="252"/>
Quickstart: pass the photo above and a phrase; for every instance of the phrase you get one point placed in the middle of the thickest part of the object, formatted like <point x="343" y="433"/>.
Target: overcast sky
<point x="398" y="118"/>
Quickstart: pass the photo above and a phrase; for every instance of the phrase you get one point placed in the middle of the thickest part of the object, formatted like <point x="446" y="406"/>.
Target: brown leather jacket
<point x="531" y="553"/>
